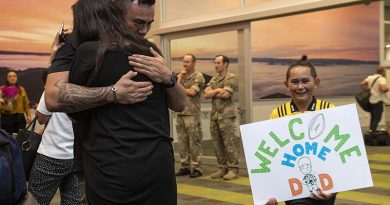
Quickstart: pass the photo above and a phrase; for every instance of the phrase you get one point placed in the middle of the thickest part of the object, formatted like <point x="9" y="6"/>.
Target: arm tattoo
<point x="74" y="98"/>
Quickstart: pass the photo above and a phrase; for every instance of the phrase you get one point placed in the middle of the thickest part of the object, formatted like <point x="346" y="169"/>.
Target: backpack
<point x="12" y="179"/>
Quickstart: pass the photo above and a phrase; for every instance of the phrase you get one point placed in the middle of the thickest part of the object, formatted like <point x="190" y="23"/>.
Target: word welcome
<point x="266" y="153"/>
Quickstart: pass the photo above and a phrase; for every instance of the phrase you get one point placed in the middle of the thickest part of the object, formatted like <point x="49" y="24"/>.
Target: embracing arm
<point x="62" y="96"/>
<point x="155" y="68"/>
<point x="176" y="97"/>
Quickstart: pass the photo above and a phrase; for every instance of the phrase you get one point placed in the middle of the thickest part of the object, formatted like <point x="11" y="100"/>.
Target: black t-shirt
<point x="117" y="138"/>
<point x="63" y="62"/>
<point x="145" y="120"/>
<point x="64" y="56"/>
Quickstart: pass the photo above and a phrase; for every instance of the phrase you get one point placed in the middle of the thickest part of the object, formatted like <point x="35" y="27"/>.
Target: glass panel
<point x="176" y="9"/>
<point x="387" y="31"/>
<point x="340" y="42"/>
<point x="387" y="10"/>
<point x="205" y="48"/>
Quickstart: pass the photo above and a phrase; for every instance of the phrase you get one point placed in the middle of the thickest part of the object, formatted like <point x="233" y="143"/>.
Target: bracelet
<point x="113" y="90"/>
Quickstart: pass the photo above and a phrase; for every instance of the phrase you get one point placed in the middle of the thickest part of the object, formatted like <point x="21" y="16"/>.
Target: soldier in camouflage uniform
<point x="222" y="121"/>
<point x="188" y="126"/>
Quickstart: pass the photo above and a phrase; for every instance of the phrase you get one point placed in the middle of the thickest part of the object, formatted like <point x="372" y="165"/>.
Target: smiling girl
<point x="301" y="81"/>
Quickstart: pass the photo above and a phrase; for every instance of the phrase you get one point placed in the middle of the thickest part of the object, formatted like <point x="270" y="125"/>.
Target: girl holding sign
<point x="301" y="82"/>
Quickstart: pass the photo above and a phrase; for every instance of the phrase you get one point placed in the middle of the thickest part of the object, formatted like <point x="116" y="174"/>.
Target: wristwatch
<point x="113" y="90"/>
<point x="172" y="81"/>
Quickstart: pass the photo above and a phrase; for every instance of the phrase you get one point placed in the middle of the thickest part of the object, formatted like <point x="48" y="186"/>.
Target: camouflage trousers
<point x="224" y="138"/>
<point x="190" y="135"/>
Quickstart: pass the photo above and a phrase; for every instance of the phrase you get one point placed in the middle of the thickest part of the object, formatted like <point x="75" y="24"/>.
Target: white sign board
<point x="289" y="157"/>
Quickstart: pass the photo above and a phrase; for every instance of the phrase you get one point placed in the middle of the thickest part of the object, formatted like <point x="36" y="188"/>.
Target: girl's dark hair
<point x="103" y="21"/>
<point x="302" y="62"/>
<point x="6" y="76"/>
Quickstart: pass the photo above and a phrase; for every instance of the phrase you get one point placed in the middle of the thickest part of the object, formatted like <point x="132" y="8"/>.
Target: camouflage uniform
<point x="188" y="126"/>
<point x="223" y="123"/>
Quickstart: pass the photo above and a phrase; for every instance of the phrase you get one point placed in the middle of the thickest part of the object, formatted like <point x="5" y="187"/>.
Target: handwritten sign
<point x="290" y="157"/>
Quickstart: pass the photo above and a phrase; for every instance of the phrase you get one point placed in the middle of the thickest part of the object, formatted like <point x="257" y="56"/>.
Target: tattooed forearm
<point x="74" y="98"/>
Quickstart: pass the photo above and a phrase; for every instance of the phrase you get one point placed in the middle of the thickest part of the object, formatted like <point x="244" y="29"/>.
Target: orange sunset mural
<point x="341" y="41"/>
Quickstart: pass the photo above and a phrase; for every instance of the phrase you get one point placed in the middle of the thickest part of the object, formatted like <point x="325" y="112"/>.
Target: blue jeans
<point x="376" y="114"/>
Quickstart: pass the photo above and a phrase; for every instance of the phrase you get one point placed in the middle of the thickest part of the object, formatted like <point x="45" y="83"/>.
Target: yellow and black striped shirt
<point x="290" y="108"/>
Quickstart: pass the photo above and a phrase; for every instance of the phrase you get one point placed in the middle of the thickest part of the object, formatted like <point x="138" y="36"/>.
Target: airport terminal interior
<point x="347" y="40"/>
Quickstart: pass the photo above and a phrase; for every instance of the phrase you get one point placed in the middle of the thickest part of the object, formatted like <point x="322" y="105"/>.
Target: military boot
<point x="230" y="175"/>
<point x="219" y="174"/>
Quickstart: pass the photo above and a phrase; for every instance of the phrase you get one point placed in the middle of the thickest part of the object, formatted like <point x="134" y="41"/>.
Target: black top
<point x="145" y="120"/>
<point x="64" y="56"/>
<point x="62" y="61"/>
<point x="119" y="139"/>
<point x="111" y="132"/>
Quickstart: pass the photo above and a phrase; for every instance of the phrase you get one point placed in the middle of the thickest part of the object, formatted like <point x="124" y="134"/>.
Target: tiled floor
<point x="203" y="190"/>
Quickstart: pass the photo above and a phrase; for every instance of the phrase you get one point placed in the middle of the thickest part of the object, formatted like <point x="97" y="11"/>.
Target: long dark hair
<point x="305" y="63"/>
<point x="103" y="21"/>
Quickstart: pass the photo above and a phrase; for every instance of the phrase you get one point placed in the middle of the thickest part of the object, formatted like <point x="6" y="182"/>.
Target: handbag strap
<point x="374" y="81"/>
<point x="33" y="122"/>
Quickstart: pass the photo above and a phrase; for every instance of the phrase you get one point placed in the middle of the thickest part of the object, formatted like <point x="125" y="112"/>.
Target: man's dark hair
<point x="192" y="56"/>
<point x="103" y="21"/>
<point x="225" y="59"/>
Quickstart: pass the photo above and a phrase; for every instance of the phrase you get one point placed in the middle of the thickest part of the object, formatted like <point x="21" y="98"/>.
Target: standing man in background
<point x="378" y="88"/>
<point x="188" y="126"/>
<point x="223" y="126"/>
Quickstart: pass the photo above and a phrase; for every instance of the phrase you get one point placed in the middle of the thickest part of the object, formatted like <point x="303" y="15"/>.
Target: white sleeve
<point x="382" y="81"/>
<point x="42" y="106"/>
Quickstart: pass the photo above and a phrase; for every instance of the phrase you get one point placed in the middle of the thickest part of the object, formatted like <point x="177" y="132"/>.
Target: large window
<point x="387" y="30"/>
<point x="341" y="43"/>
<point x="205" y="48"/>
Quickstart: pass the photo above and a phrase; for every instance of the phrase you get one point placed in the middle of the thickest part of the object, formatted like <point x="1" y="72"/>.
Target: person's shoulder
<point x="280" y="110"/>
<point x="199" y="74"/>
<point x="87" y="49"/>
<point x="89" y="45"/>
<point x="151" y="44"/>
<point x="230" y="75"/>
<point x="322" y="104"/>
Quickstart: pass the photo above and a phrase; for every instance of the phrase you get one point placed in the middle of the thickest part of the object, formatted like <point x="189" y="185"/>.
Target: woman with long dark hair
<point x="128" y="157"/>
<point x="14" y="97"/>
